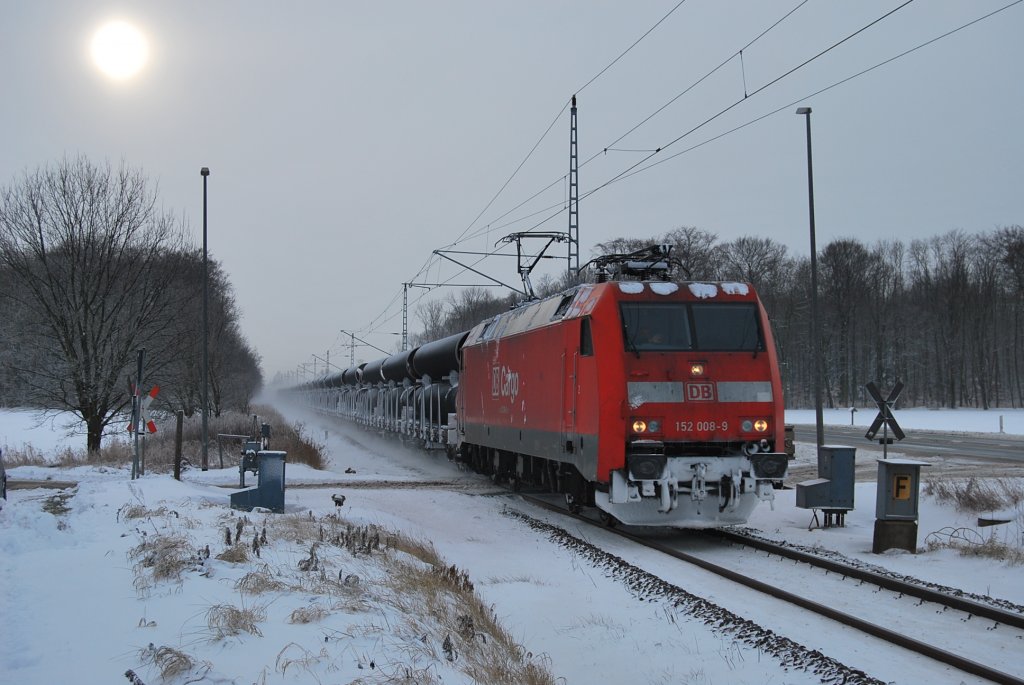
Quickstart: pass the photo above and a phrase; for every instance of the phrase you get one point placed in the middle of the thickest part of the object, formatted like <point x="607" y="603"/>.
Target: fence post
<point x="177" y="445"/>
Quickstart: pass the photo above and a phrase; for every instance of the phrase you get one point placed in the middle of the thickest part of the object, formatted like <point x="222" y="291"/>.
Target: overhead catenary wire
<point x="627" y="50"/>
<point x="627" y="172"/>
<point x="746" y="97"/>
<point x="652" y="152"/>
<point x="641" y="167"/>
<point x="646" y="119"/>
<point x="827" y="88"/>
<point x="643" y="164"/>
<point x="708" y="75"/>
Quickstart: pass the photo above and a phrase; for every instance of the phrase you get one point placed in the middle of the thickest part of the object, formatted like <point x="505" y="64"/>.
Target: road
<point x="919" y="443"/>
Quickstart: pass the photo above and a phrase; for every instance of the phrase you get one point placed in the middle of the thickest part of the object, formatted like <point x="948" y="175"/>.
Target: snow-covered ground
<point x="76" y="605"/>
<point x="957" y="420"/>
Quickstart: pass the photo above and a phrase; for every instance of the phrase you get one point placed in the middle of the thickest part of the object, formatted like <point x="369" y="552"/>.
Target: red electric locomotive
<point x="658" y="403"/>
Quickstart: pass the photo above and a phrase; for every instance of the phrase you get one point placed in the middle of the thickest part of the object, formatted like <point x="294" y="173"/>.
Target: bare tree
<point x="92" y="256"/>
<point x="844" y="269"/>
<point x="470" y="307"/>
<point x="696" y="249"/>
<point x="431" y="314"/>
<point x="1010" y="242"/>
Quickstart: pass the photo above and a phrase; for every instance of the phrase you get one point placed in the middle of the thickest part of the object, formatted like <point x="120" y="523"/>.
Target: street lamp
<point x="204" y="172"/>
<point x="815" y="337"/>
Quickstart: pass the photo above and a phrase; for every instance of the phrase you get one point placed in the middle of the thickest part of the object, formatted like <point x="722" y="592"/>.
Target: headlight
<point x="696" y="369"/>
<point x="646" y="425"/>
<point x="760" y="425"/>
<point x="747" y="425"/>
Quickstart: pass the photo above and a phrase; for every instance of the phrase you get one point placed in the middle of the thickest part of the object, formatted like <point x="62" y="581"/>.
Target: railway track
<point x="951" y="606"/>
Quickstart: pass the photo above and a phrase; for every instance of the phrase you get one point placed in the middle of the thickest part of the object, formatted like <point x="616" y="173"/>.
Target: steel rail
<point x="886" y="582"/>
<point x="930" y="651"/>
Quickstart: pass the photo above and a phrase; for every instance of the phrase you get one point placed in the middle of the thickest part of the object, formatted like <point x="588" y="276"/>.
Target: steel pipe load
<point x="396" y="367"/>
<point x="437" y="359"/>
<point x="370" y="373"/>
<point x="350" y="376"/>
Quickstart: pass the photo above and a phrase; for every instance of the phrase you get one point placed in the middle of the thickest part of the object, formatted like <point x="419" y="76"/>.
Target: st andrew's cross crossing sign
<point x="143" y="409"/>
<point x="885" y="417"/>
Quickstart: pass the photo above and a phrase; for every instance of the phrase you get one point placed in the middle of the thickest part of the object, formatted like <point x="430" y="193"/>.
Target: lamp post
<point x="815" y="337"/>
<point x="204" y="172"/>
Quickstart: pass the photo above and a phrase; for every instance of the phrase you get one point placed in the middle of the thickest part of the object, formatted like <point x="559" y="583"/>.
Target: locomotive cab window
<point x="656" y="326"/>
<point x="727" y="327"/>
<point x="678" y="326"/>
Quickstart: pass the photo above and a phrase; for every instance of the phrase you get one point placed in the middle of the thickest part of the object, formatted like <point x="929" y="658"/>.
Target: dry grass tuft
<point x="166" y="555"/>
<point x="139" y="511"/>
<point x="440" y="601"/>
<point x="235" y="554"/>
<point x="26" y="456"/>
<point x="308" y="614"/>
<point x="423" y="551"/>
<point x="400" y="674"/>
<point x="225" y="620"/>
<point x="977" y="495"/>
<point x="297" y="656"/>
<point x="299" y="528"/>
<point x="290" y="438"/>
<point x="995" y="549"/>
<point x="1002" y="544"/>
<point x="259" y="581"/>
<point x="171" y="662"/>
<point x="445" y="619"/>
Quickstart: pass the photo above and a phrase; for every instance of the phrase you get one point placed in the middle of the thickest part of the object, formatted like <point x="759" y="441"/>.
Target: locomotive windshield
<point x="680" y="326"/>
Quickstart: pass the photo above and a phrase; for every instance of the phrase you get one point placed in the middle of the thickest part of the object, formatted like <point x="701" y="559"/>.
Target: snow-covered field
<point x="78" y="602"/>
<point x="956" y="420"/>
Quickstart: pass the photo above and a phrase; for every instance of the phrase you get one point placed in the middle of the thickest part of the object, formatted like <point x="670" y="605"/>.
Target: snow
<point x="73" y="607"/>
<point x="703" y="290"/>
<point x="45" y="434"/>
<point x="631" y="287"/>
<point x="735" y="288"/>
<point x="955" y="420"/>
<point x="663" y="288"/>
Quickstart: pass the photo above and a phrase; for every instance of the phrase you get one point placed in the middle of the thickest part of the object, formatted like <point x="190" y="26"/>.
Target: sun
<point x="119" y="50"/>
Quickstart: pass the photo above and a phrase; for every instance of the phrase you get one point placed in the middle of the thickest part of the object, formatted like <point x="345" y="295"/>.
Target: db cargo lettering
<point x="504" y="382"/>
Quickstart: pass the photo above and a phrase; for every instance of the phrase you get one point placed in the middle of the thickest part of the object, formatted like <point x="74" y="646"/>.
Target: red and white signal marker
<point x="143" y="409"/>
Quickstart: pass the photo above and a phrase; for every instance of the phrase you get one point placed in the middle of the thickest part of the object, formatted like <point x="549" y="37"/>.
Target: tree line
<point x="91" y="271"/>
<point x="944" y="314"/>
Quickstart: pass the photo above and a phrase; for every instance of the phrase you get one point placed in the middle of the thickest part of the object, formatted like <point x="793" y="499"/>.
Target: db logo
<point x="700" y="392"/>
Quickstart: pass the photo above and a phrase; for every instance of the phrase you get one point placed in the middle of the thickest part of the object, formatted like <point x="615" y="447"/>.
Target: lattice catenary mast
<point x="574" y="195"/>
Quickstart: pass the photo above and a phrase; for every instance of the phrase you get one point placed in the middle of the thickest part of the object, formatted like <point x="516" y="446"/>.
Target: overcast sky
<point x="348" y="140"/>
